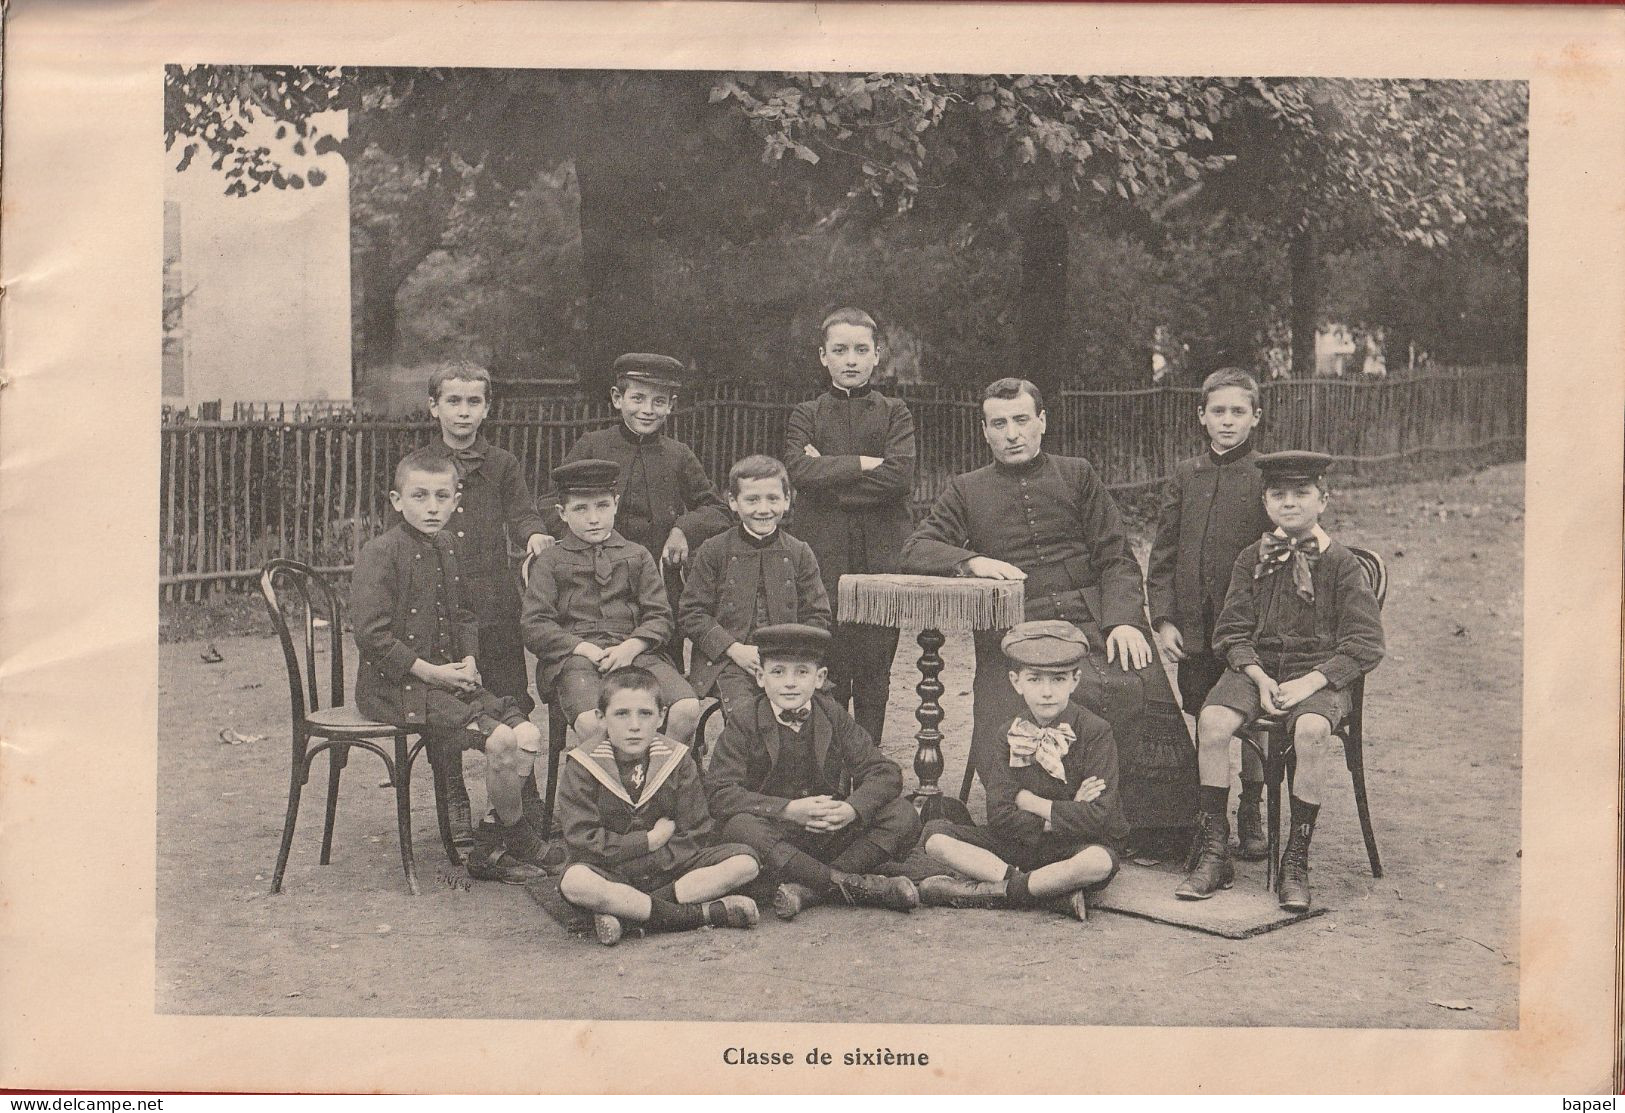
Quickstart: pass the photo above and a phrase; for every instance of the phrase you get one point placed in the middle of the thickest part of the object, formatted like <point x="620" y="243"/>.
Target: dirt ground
<point x="1443" y="763"/>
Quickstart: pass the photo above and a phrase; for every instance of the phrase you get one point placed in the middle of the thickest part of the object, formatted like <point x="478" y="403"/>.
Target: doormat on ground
<point x="572" y="919"/>
<point x="1240" y="912"/>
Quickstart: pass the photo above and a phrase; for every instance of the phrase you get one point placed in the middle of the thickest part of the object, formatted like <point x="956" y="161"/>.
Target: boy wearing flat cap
<point x="667" y="502"/>
<point x="797" y="779"/>
<point x="1299" y="625"/>
<point x="595" y="603"/>
<point x="1054" y="823"/>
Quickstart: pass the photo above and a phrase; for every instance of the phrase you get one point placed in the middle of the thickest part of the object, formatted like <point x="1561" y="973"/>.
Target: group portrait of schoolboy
<point x="647" y="591"/>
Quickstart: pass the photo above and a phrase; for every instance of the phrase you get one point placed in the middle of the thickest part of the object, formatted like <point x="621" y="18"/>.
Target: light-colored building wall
<point x="257" y="288"/>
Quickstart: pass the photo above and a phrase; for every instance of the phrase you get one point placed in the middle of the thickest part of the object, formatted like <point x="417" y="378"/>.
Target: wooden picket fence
<point x="315" y="486"/>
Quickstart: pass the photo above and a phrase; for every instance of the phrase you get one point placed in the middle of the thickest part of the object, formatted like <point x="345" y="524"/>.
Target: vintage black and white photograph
<point x="928" y="548"/>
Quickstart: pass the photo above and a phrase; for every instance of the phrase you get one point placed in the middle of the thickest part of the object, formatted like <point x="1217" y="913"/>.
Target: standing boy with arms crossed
<point x="850" y="454"/>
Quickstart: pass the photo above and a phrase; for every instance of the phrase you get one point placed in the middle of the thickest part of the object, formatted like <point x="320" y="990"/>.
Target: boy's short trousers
<point x="656" y="879"/>
<point x="580" y="682"/>
<point x="1237" y="691"/>
<point x="465" y="720"/>
<point x="1025" y="858"/>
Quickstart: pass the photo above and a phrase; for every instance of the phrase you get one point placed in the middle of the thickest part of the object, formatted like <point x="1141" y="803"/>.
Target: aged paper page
<point x="81" y="262"/>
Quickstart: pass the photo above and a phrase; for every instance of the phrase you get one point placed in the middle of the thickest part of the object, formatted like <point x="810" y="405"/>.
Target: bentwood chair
<point x="336" y="727"/>
<point x="1267" y="737"/>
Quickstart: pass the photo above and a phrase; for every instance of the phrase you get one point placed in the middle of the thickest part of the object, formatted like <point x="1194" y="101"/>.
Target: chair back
<point x="296" y="586"/>
<point x="1376" y="572"/>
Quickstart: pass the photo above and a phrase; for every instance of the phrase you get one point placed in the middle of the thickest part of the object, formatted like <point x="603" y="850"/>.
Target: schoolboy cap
<point x="647" y="367"/>
<point x="1049" y="643"/>
<point x="792" y="639"/>
<point x="1295" y="466"/>
<point x="586" y="476"/>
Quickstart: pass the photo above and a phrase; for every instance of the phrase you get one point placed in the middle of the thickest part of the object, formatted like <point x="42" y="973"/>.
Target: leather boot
<point x="790" y="898"/>
<point x="943" y="891"/>
<point x="1251" y="845"/>
<point x="1213" y="870"/>
<point x="871" y="890"/>
<point x="1293" y="886"/>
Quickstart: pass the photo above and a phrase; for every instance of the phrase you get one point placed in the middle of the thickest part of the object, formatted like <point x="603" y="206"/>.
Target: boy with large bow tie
<point x="1300" y="624"/>
<point x="1054" y="824"/>
<point x="795" y="777"/>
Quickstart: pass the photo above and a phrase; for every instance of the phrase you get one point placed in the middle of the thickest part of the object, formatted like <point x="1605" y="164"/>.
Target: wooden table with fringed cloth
<point x="1156" y="755"/>
<point x="935" y="606"/>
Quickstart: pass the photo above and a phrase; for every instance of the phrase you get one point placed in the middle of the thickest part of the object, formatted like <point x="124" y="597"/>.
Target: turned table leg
<point x="928" y="756"/>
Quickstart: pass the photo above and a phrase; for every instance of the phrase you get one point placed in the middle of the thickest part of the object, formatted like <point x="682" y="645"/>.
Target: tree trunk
<point x="376" y="343"/>
<point x="618" y="231"/>
<point x="1305" y="265"/>
<point x="1042" y="318"/>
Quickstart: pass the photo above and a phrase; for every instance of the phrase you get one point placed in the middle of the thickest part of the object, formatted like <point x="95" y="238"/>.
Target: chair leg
<point x="401" y="774"/>
<point x="300" y="772"/>
<point x="1354" y="755"/>
<point x="556" y="728"/>
<point x="437" y="772"/>
<point x="335" y="765"/>
<point x="1274" y="770"/>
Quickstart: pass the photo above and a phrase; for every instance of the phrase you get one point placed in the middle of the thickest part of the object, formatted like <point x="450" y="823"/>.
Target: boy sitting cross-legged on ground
<point x="417" y="646"/>
<point x="753" y="575"/>
<point x="796" y="778"/>
<point x="595" y="603"/>
<point x="1054" y="824"/>
<point x="636" y="825"/>
<point x="1299" y="625"/>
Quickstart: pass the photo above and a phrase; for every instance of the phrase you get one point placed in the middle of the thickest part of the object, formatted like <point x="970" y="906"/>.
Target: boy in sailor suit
<point x="636" y="826"/>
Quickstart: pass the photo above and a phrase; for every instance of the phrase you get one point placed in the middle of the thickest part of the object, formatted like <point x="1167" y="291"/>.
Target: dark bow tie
<point x="1275" y="553"/>
<point x="797" y="717"/>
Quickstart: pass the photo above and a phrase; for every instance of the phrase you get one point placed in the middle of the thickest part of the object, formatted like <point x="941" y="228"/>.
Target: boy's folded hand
<point x="1294" y="692"/>
<point x="591" y="652"/>
<point x="836" y="814"/>
<point x="806" y="811"/>
<point x="1090" y="789"/>
<point x="620" y="656"/>
<point x="662" y="831"/>
<point x="536" y="542"/>
<point x="1269" y="695"/>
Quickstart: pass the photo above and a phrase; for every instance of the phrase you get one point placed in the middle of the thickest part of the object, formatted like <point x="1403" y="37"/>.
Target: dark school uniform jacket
<point x="602" y="594"/>
<point x="855" y="520"/>
<point x="1265" y="622"/>
<point x="719" y="598"/>
<point x="1051" y="517"/>
<point x="662" y="485"/>
<point x="495" y="508"/>
<point x="1093" y="753"/>
<point x="602" y="824"/>
<point x="402" y="579"/>
<point x="850" y="766"/>
<point x="1212" y="508"/>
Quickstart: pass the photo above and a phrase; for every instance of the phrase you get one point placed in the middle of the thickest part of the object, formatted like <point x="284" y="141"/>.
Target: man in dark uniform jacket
<point x="1049" y="520"/>
<point x="850" y="453"/>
